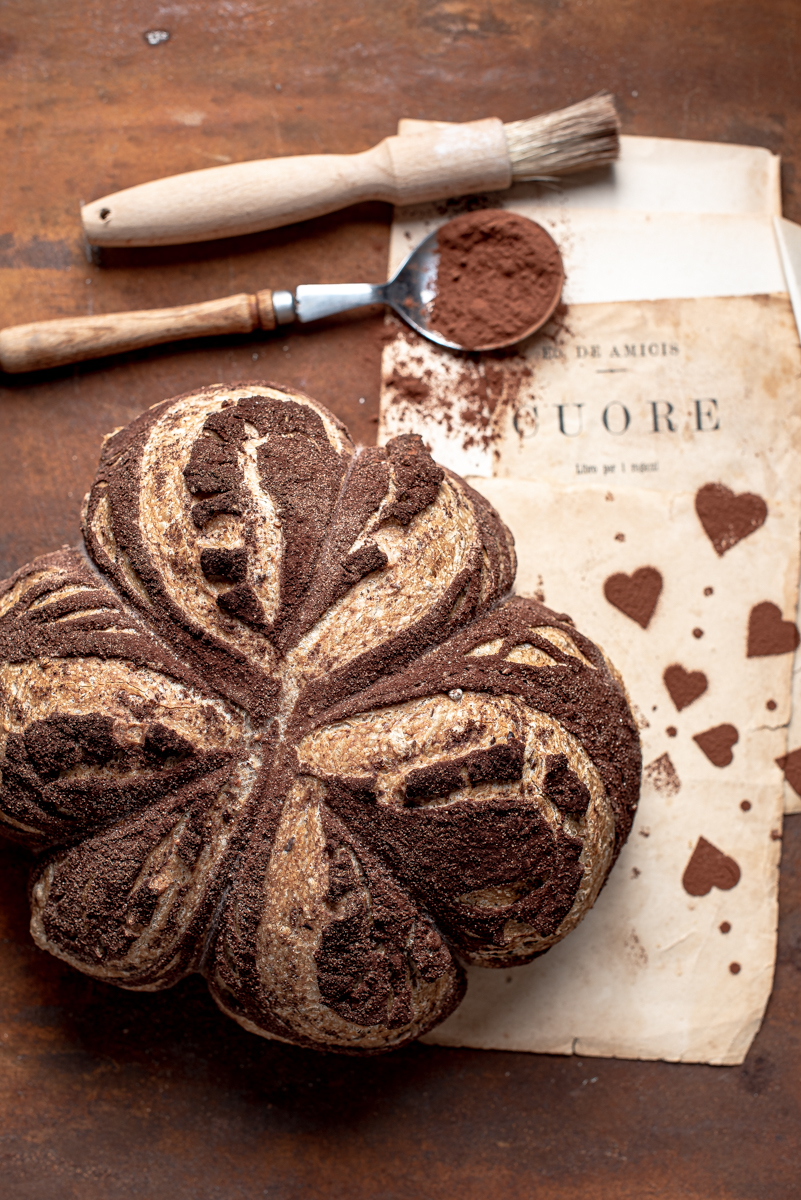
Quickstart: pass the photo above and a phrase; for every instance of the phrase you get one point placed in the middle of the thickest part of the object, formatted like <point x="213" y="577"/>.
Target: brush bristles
<point x="559" y="143"/>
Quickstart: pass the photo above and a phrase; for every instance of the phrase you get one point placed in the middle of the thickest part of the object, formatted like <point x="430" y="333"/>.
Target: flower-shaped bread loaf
<point x="283" y="728"/>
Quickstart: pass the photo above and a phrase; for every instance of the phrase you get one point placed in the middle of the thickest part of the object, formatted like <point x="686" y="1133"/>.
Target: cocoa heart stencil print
<point x="636" y="595"/>
<point x="717" y="743"/>
<point x="768" y="633"/>
<point x="684" y="686"/>
<point x="709" y="867"/>
<point x="727" y="518"/>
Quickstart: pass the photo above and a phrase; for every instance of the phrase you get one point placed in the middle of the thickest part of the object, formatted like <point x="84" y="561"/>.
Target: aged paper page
<point x="633" y="232"/>
<point x="628" y="258"/>
<point x="663" y="433"/>
<point x="676" y="959"/>
<point x="661" y="394"/>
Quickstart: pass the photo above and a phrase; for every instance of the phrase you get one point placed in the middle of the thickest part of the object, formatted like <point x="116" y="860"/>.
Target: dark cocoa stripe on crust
<point x="230" y="565"/>
<point x="499" y="546"/>
<point x="61" y="810"/>
<point x="117" y="632"/>
<point x="44" y="802"/>
<point x="375" y="948"/>
<point x="298" y="469"/>
<point x="563" y="787"/>
<point x="502" y="762"/>
<point x="476" y="588"/>
<point x="363" y="489"/>
<point x="442" y="853"/>
<point x="232" y="967"/>
<point x="416" y="477"/>
<point x="119" y="484"/>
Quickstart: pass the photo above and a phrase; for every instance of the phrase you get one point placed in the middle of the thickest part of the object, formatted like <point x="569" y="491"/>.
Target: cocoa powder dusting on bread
<point x="285" y="727"/>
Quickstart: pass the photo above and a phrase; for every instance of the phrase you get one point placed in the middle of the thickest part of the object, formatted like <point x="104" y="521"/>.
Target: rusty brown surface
<point x="108" y="1094"/>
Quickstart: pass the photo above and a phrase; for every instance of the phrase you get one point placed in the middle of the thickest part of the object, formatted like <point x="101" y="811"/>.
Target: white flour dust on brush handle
<point x="449" y="160"/>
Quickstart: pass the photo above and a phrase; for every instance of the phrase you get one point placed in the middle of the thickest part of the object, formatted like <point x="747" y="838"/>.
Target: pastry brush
<point x="443" y="160"/>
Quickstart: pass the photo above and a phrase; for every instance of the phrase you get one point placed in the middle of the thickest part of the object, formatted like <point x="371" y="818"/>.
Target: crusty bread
<point x="285" y="727"/>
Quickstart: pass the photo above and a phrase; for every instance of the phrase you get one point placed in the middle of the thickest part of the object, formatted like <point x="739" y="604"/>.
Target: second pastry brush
<point x="445" y="160"/>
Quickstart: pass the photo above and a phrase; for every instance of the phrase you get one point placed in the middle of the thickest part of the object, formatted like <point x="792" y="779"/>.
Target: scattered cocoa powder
<point x="480" y="391"/>
<point x="662" y="775"/>
<point x="468" y="403"/>
<point x="413" y="390"/>
<point x="500" y="277"/>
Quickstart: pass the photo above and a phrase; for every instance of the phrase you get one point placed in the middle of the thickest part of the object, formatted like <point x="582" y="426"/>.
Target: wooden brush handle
<point x="449" y="160"/>
<point x="72" y="339"/>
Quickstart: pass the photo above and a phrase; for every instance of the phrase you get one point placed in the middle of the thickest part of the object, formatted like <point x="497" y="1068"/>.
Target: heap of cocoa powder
<point x="500" y="277"/>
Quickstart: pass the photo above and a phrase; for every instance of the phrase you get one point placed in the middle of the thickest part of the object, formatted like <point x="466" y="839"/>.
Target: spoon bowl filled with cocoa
<point x="483" y="281"/>
<point x="495" y="278"/>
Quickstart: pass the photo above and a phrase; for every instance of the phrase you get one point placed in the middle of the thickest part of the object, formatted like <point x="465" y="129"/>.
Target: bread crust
<point x="285" y="726"/>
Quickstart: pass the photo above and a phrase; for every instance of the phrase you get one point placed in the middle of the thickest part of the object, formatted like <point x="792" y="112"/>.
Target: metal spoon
<point x="410" y="293"/>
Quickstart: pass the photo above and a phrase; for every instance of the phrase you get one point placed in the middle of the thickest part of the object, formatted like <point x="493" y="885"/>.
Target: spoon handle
<point x="72" y="339"/>
<point x="315" y="300"/>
